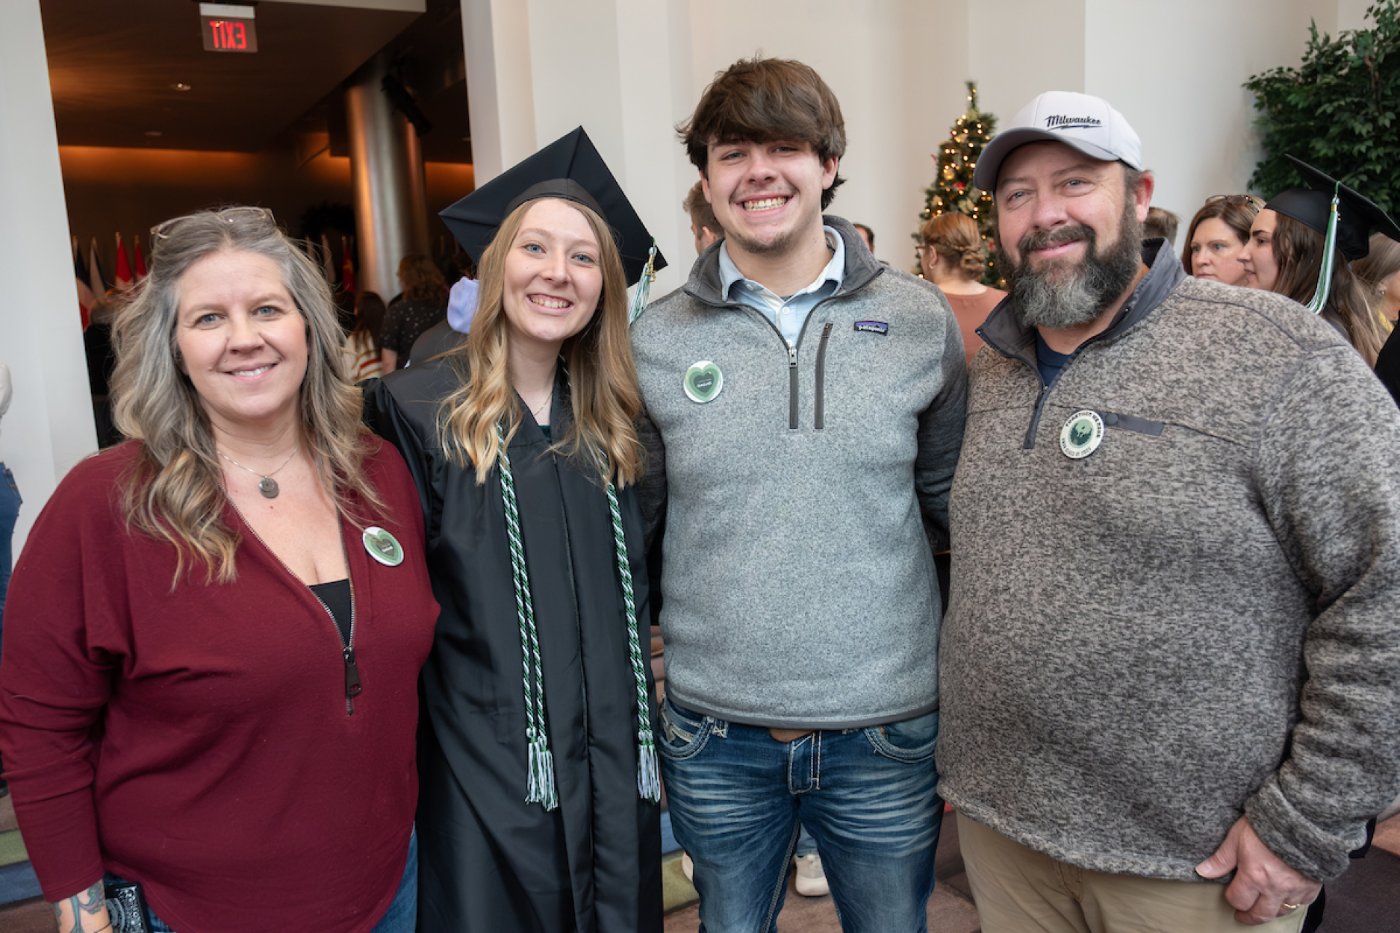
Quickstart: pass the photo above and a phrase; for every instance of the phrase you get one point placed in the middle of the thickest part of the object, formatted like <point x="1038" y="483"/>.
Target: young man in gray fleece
<point x="1171" y="670"/>
<point x="804" y="409"/>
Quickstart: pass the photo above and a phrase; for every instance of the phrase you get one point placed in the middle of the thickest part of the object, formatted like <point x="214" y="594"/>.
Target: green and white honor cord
<point x="648" y="773"/>
<point x="539" y="769"/>
<point x="540" y="786"/>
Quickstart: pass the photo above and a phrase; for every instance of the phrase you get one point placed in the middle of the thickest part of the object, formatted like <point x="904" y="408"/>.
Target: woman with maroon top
<point x="213" y="636"/>
<point x="953" y="257"/>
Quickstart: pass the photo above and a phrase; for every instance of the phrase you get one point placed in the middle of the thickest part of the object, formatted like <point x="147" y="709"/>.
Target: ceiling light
<point x="182" y="86"/>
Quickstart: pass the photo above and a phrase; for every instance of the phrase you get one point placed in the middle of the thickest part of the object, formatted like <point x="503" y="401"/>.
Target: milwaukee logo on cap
<point x="1080" y="121"/>
<point x="1058" y="122"/>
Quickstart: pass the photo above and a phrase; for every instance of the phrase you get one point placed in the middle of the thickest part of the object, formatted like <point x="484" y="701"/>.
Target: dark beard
<point x="1065" y="294"/>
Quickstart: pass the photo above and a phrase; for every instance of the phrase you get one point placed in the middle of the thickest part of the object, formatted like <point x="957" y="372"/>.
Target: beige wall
<point x="631" y="73"/>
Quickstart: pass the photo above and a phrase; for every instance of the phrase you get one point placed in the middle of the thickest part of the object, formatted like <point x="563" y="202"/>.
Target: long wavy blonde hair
<point x="175" y="490"/>
<point x="602" y="376"/>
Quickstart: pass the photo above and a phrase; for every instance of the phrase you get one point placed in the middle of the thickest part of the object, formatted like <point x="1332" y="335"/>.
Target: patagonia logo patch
<point x="872" y="327"/>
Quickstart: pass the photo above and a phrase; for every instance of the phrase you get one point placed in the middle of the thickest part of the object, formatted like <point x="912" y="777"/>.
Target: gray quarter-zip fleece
<point x="797" y="582"/>
<point x="1198" y="620"/>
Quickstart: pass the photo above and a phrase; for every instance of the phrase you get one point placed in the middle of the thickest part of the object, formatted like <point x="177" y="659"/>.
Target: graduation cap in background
<point x="568" y="168"/>
<point x="1345" y="218"/>
<point x="1357" y="215"/>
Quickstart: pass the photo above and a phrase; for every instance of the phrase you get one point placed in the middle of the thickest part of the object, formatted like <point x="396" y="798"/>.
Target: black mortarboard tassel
<point x="568" y="168"/>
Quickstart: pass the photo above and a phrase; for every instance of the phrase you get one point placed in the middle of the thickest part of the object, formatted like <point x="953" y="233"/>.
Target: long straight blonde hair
<point x="602" y="376"/>
<point x="175" y="490"/>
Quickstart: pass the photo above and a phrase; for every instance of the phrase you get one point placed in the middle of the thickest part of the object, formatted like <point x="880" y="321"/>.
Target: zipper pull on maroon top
<point x="352" y="680"/>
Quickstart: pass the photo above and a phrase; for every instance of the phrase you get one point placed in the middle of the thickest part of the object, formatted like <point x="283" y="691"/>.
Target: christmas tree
<point x="952" y="188"/>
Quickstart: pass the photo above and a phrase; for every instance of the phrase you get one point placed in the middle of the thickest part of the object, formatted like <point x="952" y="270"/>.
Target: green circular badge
<point x="1081" y="435"/>
<point x="703" y="382"/>
<point x="382" y="546"/>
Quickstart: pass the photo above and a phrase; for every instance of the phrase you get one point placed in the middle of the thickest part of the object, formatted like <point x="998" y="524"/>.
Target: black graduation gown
<point x="488" y="861"/>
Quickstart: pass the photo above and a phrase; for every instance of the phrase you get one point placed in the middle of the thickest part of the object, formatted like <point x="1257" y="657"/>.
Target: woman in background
<point x="422" y="304"/>
<point x="362" y="352"/>
<point x="1289" y="253"/>
<point x="214" y="634"/>
<point x="1379" y="272"/>
<point x="953" y="257"/>
<point x="1217" y="235"/>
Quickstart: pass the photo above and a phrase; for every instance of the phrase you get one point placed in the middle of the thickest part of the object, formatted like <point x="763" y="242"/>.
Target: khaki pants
<point x="1019" y="890"/>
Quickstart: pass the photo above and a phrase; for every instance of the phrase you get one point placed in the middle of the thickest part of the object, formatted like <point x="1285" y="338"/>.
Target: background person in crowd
<point x="9" y="515"/>
<point x="97" y="349"/>
<point x="1151" y="676"/>
<point x="540" y="787"/>
<point x="361" y="350"/>
<point x="448" y="334"/>
<point x="1217" y="235"/>
<point x="212" y="644"/>
<point x="9" y="501"/>
<point x="953" y="257"/>
<point x="867" y="236"/>
<point x="1162" y="223"/>
<point x="813" y="429"/>
<point x="1379" y="272"/>
<point x="703" y="225"/>
<point x="422" y="304"/>
<point x="1287" y="251"/>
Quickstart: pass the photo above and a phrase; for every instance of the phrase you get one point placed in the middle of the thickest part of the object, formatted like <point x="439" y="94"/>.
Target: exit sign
<point x="228" y="27"/>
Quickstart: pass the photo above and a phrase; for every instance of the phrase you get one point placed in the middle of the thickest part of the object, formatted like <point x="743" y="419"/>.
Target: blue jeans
<point x="9" y="513"/>
<point x="401" y="917"/>
<point x="867" y="795"/>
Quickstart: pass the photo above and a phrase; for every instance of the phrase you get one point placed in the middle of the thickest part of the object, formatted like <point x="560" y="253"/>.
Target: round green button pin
<point x="703" y="382"/>
<point x="1081" y="435"/>
<point x="382" y="546"/>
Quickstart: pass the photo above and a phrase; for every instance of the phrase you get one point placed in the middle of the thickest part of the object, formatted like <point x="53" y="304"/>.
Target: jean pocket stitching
<point x="882" y="745"/>
<point x="692" y="742"/>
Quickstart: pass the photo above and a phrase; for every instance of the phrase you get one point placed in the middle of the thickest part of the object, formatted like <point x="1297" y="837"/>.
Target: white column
<point x="49" y="425"/>
<point x="538" y="68"/>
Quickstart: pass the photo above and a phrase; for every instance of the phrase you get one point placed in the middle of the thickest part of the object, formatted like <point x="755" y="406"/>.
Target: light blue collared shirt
<point x="786" y="314"/>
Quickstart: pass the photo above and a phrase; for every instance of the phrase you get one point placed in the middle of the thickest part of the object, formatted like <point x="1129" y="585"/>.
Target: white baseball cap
<point x="1082" y="121"/>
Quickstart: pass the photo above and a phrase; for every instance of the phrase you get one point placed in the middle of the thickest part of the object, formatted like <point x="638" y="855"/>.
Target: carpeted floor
<point x="1367" y="898"/>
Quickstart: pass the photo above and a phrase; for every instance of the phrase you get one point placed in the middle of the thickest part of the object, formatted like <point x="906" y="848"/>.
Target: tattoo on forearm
<point x="88" y="902"/>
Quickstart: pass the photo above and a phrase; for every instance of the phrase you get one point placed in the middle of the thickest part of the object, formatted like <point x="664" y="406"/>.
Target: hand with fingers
<point x="1264" y="888"/>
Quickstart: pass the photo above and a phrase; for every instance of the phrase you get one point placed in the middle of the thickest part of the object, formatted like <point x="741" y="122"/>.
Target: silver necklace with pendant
<point x="266" y="484"/>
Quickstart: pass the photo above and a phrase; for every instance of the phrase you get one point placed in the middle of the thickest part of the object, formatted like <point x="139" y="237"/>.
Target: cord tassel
<point x="648" y="770"/>
<point x="540" y="787"/>
<point x="639" y="297"/>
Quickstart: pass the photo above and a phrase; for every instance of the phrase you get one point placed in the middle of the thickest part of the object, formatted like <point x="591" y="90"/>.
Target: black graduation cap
<point x="568" y="168"/>
<point x="1357" y="216"/>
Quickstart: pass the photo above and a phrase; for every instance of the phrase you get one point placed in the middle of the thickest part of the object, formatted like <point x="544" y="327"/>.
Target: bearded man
<point x="1172" y="640"/>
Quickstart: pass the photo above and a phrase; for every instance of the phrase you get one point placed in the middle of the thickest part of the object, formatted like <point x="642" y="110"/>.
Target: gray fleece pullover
<point x="1199" y="620"/>
<point x="798" y="585"/>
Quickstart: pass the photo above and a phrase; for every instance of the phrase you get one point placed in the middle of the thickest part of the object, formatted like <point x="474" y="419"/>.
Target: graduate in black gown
<point x="539" y="802"/>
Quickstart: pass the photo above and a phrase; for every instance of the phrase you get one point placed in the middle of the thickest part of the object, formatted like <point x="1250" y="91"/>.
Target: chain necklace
<point x="542" y="406"/>
<point x="266" y="484"/>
